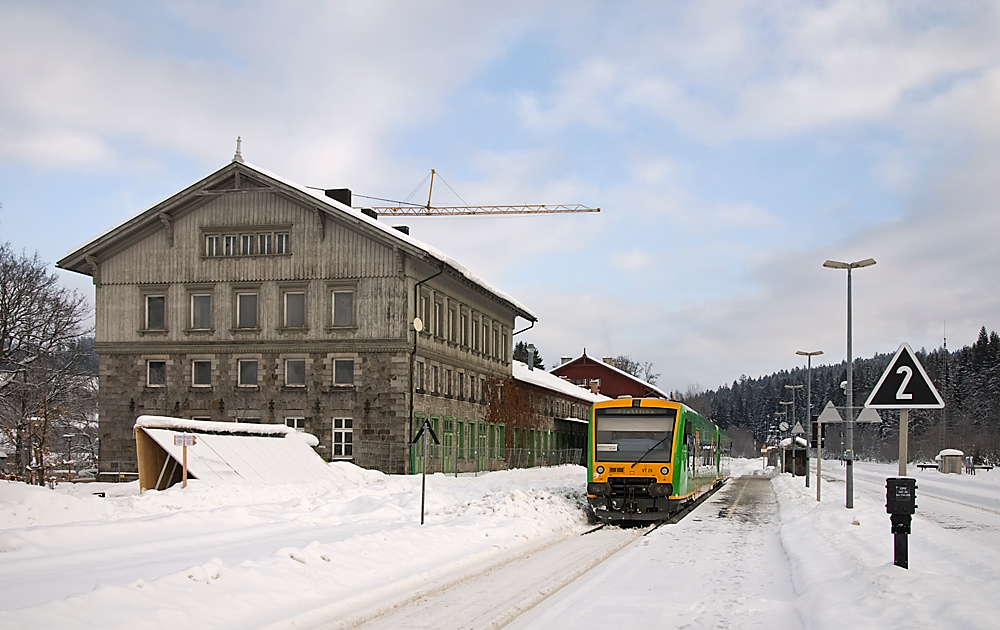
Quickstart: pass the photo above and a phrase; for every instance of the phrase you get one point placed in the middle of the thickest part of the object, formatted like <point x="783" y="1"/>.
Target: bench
<point x="926" y="466"/>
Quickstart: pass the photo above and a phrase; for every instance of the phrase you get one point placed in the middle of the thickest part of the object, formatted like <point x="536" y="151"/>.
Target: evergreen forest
<point x="968" y="379"/>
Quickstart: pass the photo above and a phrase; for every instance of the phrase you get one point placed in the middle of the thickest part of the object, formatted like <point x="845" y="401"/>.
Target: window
<point x="156" y="312"/>
<point x="343" y="437"/>
<point x="343" y="372"/>
<point x="246" y="244"/>
<point x="213" y="245"/>
<point x="299" y="424"/>
<point x="202" y="418"/>
<point x="258" y="242"/>
<point x="447" y="382"/>
<point x="201" y="312"/>
<point x="295" y="372"/>
<point x="295" y="310"/>
<point x="248" y="372"/>
<point x="283" y="243"/>
<point x="461" y="386"/>
<point x="452" y="336"/>
<point x="420" y="376"/>
<point x="495" y="350"/>
<point x="486" y="339"/>
<point x="503" y="347"/>
<point x="201" y="373"/>
<point x="343" y="308"/>
<point x="434" y="379"/>
<point x="246" y="310"/>
<point x="438" y="324"/>
<point x="156" y="373"/>
<point x="464" y="330"/>
<point x="425" y="313"/>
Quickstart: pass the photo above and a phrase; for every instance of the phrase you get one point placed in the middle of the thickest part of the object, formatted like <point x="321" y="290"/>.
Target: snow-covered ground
<point x="756" y="554"/>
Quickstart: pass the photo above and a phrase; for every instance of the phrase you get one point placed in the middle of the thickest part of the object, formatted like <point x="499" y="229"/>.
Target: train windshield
<point x="624" y="434"/>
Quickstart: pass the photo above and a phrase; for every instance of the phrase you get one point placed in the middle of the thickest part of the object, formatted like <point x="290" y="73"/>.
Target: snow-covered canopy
<point x="225" y="452"/>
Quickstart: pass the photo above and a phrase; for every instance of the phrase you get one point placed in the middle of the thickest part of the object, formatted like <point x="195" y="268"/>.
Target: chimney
<point x="405" y="229"/>
<point x="369" y="212"/>
<point x="343" y="195"/>
<point x="564" y="360"/>
<point x="609" y="361"/>
<point x="595" y="386"/>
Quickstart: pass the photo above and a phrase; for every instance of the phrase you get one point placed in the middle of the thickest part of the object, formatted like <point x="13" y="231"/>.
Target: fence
<point x="389" y="457"/>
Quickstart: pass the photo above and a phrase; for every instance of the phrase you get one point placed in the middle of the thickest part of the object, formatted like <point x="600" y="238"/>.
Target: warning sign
<point x="905" y="385"/>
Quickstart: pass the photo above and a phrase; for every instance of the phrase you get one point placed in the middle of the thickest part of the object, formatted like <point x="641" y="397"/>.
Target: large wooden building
<point x="247" y="297"/>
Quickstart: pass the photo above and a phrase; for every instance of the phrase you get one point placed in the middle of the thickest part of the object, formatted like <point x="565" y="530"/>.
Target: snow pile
<point x="842" y="560"/>
<point x="252" y="556"/>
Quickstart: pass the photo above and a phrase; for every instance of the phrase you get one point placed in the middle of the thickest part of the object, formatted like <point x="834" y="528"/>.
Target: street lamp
<point x="809" y="389"/>
<point x="69" y="454"/>
<point x="849" y="425"/>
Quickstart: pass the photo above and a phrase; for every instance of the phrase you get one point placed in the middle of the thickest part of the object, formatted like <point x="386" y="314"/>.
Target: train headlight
<point x="600" y="470"/>
<point x="664" y="470"/>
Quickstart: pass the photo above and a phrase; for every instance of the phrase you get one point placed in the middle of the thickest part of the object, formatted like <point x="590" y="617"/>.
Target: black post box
<point x="900" y="495"/>
<point x="900" y="503"/>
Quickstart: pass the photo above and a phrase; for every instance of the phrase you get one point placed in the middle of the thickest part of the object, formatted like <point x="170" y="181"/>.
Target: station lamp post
<point x="809" y="389"/>
<point x="849" y="424"/>
<point x="794" y="437"/>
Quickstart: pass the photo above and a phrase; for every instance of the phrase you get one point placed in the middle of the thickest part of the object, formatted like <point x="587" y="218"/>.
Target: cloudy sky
<point x="732" y="147"/>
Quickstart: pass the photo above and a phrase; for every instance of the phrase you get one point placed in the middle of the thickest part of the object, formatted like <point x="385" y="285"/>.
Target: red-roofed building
<point x="602" y="377"/>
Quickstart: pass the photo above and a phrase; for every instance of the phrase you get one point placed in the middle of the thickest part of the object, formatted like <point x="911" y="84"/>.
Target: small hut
<point x="794" y="455"/>
<point x="950" y="461"/>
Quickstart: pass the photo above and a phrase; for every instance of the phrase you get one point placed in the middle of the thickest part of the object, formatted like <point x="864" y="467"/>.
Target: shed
<point x="950" y="461"/>
<point x="225" y="452"/>
<point x="794" y="455"/>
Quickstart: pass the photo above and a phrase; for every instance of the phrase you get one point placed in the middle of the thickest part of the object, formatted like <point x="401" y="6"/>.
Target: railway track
<point x="490" y="597"/>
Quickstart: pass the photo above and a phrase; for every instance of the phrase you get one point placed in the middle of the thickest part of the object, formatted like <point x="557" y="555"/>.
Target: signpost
<point x="904" y="385"/>
<point x="184" y="440"/>
<point x="426" y="426"/>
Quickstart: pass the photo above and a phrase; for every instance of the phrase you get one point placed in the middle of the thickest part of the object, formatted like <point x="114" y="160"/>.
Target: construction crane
<point x="412" y="209"/>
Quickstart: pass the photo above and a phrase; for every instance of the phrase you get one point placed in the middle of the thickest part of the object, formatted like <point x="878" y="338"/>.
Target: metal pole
<point x="819" y="457"/>
<point x="809" y="393"/>
<point x="849" y="429"/>
<point x="423" y="480"/>
<point x="904" y="417"/>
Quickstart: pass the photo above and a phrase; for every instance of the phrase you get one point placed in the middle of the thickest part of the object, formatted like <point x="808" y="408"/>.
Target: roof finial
<point x="239" y="156"/>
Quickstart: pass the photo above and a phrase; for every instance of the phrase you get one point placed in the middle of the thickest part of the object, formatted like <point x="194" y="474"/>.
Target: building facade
<point x="246" y="297"/>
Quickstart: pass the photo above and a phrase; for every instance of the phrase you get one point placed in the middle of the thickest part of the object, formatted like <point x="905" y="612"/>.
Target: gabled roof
<point x="612" y="368"/>
<point x="551" y="382"/>
<point x="84" y="258"/>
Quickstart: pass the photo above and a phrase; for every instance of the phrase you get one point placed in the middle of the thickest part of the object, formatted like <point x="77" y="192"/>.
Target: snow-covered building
<point x="603" y="377"/>
<point x="246" y="297"/>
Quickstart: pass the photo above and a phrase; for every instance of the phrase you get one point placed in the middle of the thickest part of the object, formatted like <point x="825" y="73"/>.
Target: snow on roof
<point x="620" y="371"/>
<point x="242" y="455"/>
<point x="950" y="451"/>
<point x="787" y="442"/>
<point x="357" y="214"/>
<point x="544" y="379"/>
<point x="205" y="426"/>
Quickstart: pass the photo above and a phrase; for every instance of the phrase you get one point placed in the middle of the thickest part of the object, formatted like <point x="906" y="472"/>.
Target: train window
<point x="624" y="437"/>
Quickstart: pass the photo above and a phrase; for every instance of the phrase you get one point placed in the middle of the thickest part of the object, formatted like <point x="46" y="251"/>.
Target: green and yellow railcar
<point x="647" y="457"/>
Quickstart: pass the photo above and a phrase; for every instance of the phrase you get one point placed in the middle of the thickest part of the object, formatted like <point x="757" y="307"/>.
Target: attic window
<point x="245" y="242"/>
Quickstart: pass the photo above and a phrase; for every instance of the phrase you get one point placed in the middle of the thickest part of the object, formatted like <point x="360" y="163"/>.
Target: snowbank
<point x="253" y="555"/>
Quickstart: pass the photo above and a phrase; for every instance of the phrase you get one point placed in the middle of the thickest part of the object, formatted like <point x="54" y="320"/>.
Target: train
<point x="648" y="457"/>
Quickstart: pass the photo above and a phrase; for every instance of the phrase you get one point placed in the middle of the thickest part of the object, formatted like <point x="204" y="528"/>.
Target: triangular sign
<point x="905" y="385"/>
<point x="868" y="415"/>
<point x="797" y="429"/>
<point x="830" y="415"/>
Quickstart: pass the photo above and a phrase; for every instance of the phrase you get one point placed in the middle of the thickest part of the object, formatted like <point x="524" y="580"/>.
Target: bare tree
<point x="44" y="367"/>
<point x="638" y="369"/>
